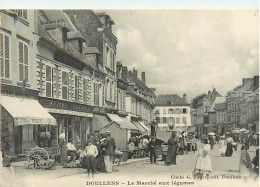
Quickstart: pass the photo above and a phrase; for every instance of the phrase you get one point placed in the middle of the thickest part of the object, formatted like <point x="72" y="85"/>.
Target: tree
<point x="195" y="100"/>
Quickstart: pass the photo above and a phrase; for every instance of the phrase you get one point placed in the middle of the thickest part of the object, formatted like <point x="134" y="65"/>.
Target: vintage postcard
<point x="93" y="97"/>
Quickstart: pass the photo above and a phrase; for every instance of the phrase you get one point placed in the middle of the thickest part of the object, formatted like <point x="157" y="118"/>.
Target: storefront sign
<point x="68" y="112"/>
<point x="65" y="105"/>
<point x="31" y="121"/>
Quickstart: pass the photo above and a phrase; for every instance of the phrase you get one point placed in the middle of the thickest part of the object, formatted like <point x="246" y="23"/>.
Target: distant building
<point x="205" y="113"/>
<point x="243" y="104"/>
<point x="174" y="111"/>
<point x="139" y="99"/>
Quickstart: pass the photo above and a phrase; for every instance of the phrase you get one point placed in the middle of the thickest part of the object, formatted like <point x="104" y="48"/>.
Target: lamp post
<point x="156" y="121"/>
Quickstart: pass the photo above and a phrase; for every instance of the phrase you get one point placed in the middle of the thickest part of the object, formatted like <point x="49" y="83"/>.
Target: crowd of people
<point x="96" y="156"/>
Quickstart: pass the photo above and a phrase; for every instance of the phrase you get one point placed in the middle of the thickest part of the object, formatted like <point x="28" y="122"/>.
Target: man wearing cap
<point x="110" y="146"/>
<point x="72" y="151"/>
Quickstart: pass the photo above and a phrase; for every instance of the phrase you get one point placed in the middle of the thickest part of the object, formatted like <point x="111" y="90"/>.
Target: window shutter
<point x="1" y="45"/>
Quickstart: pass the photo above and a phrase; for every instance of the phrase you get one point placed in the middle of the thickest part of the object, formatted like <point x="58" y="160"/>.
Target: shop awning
<point x="163" y="135"/>
<point x="122" y="121"/>
<point x="99" y="122"/>
<point x="145" y="127"/>
<point x="27" y="111"/>
<point x="192" y="129"/>
<point x="139" y="126"/>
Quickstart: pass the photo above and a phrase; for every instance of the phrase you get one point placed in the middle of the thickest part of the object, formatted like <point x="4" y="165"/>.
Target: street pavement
<point x="140" y="173"/>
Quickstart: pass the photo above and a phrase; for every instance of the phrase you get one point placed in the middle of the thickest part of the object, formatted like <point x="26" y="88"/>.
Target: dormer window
<point x="21" y="13"/>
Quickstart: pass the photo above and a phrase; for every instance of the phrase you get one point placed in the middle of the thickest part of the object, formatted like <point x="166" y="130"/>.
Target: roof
<point x="91" y="50"/>
<point x="170" y="100"/>
<point x="139" y="84"/>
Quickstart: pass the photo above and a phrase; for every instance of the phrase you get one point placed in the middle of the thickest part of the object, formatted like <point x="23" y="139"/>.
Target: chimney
<point x="135" y="72"/>
<point x="185" y="97"/>
<point x="143" y="77"/>
<point x="245" y="80"/>
<point x="124" y="73"/>
<point x="256" y="81"/>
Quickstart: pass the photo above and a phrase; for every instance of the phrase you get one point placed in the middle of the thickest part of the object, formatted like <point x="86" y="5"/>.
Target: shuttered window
<point x="76" y="88"/>
<point x="23" y="62"/>
<point x="65" y="85"/>
<point x="96" y="93"/>
<point x="49" y="81"/>
<point x="4" y="56"/>
<point x="85" y="91"/>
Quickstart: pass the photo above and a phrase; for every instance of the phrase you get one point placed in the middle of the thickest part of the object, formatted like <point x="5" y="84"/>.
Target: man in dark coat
<point x="110" y="146"/>
<point x="151" y="146"/>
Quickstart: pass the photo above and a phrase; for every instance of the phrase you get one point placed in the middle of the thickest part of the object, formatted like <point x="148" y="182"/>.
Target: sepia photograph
<point x="129" y="97"/>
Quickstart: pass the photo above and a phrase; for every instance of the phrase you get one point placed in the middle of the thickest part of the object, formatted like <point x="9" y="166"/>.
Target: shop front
<point x="21" y="118"/>
<point x="73" y="119"/>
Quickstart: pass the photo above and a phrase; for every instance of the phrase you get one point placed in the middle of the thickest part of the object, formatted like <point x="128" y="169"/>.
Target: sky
<point x="189" y="51"/>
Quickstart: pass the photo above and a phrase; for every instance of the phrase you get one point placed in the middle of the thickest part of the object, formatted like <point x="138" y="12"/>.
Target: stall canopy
<point x="99" y="122"/>
<point x="122" y="121"/>
<point x="139" y="126"/>
<point x="27" y="111"/>
<point x="192" y="129"/>
<point x="163" y="135"/>
<point x="145" y="127"/>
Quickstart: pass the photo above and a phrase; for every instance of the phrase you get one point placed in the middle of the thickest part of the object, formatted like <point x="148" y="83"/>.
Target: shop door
<point x="18" y="138"/>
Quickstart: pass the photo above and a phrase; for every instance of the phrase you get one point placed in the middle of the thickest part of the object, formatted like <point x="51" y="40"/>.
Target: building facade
<point x="21" y="113"/>
<point x="174" y="112"/>
<point x="139" y="99"/>
<point x="205" y="116"/>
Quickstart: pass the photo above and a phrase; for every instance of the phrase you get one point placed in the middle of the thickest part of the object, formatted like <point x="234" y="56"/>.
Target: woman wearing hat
<point x="229" y="150"/>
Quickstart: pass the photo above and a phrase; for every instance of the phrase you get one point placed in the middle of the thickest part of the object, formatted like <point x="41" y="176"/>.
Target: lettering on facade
<point x="64" y="105"/>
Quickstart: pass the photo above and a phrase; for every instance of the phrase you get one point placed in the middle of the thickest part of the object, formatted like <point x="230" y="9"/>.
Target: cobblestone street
<point x="131" y="171"/>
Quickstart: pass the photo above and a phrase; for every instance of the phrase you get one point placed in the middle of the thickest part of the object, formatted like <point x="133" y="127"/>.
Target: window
<point x="111" y="91"/>
<point x="4" y="56"/>
<point x="164" y="120"/>
<point x="23" y="61"/>
<point x="27" y="133"/>
<point x="96" y="93"/>
<point x="170" y="111"/>
<point x="184" y="111"/>
<point x="85" y="92"/>
<point x="164" y="111"/>
<point x="49" y="81"/>
<point x="178" y="120"/>
<point x="184" y="120"/>
<point x="107" y="56"/>
<point x="111" y="60"/>
<point x="171" y="120"/>
<point x="65" y="85"/>
<point x="177" y="110"/>
<point x="107" y="89"/>
<point x="21" y="13"/>
<point x="76" y="88"/>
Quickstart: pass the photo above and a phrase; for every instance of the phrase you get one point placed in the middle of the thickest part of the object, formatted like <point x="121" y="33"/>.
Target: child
<point x="91" y="153"/>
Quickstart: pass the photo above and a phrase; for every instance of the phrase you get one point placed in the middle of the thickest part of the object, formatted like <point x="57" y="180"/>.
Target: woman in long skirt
<point x="203" y="164"/>
<point x="245" y="166"/>
<point x="172" y="151"/>
<point x="229" y="150"/>
<point x="222" y="146"/>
